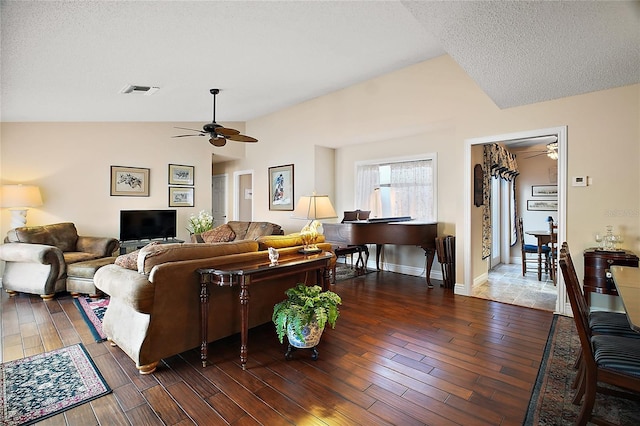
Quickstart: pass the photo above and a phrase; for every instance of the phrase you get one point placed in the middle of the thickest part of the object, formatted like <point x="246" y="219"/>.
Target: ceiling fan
<point x="218" y="134"/>
<point x="551" y="151"/>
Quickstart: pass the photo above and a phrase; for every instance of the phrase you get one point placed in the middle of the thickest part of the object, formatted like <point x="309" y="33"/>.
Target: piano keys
<point x="412" y="233"/>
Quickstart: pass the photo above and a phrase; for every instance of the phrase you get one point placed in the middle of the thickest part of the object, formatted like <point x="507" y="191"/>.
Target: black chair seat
<point x="612" y="323"/>
<point x="617" y="353"/>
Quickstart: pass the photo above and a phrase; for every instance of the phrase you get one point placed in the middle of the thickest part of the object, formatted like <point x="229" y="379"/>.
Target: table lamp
<point x="18" y="199"/>
<point x="313" y="208"/>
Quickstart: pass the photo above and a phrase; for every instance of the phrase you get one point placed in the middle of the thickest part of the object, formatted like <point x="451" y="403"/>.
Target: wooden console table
<point x="244" y="274"/>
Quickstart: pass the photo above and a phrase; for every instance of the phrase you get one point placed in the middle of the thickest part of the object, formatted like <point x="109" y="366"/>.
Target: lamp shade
<point x="314" y="207"/>
<point x="20" y="196"/>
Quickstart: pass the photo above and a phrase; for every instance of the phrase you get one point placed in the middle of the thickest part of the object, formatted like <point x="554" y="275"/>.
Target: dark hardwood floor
<point x="400" y="354"/>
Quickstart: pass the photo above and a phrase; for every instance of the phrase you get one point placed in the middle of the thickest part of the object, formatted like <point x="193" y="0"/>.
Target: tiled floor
<point x="506" y="284"/>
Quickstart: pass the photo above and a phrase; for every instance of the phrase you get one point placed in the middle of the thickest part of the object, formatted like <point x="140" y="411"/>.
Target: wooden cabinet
<point x="597" y="278"/>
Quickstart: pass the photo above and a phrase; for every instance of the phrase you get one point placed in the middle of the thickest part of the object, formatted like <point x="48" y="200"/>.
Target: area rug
<point x="43" y="385"/>
<point x="92" y="311"/>
<point x="345" y="272"/>
<point x="551" y="398"/>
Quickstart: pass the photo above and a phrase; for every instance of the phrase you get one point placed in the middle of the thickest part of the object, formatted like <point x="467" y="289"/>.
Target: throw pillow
<point x="130" y="260"/>
<point x="219" y="234"/>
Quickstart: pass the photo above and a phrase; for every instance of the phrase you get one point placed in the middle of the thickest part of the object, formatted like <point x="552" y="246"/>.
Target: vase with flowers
<point x="197" y="224"/>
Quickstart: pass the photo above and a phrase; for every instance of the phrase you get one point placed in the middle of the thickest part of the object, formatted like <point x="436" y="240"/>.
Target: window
<point x="398" y="188"/>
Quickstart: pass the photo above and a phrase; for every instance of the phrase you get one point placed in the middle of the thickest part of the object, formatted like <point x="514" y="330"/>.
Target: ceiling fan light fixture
<point x="552" y="150"/>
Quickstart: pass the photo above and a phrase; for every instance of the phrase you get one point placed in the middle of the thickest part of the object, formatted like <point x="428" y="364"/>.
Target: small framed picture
<point x="180" y="196"/>
<point x="544" y="191"/>
<point x="542" y="205"/>
<point x="281" y="187"/>
<point x="129" y="181"/>
<point x="180" y="175"/>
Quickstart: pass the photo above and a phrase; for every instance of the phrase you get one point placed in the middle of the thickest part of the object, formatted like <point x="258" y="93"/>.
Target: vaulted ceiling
<point x="68" y="61"/>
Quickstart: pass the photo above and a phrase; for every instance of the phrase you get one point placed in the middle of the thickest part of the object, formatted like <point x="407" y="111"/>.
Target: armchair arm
<point x="104" y="246"/>
<point x="34" y="253"/>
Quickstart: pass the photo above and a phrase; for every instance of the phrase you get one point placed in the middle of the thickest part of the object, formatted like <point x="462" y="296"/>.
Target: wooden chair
<point x="610" y="359"/>
<point x="446" y="251"/>
<point x="529" y="252"/>
<point x="553" y="250"/>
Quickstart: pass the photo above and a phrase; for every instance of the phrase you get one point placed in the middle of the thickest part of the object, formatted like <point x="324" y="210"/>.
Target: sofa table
<point x="244" y="274"/>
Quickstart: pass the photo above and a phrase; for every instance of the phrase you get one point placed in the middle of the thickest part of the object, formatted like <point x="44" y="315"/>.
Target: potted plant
<point x="303" y="316"/>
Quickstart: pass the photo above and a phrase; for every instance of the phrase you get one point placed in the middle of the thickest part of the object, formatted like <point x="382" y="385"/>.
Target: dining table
<point x="543" y="237"/>
<point x="627" y="282"/>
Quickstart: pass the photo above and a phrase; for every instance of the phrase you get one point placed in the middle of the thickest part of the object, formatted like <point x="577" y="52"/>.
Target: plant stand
<point x="289" y="354"/>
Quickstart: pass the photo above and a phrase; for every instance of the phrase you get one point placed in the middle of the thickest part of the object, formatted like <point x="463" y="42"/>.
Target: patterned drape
<point x="498" y="162"/>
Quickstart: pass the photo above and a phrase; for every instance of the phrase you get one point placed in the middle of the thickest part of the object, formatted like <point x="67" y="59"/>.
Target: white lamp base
<point x="18" y="217"/>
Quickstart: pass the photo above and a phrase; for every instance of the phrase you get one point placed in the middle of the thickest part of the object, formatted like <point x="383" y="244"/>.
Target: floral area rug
<point x="345" y="272"/>
<point x="92" y="311"/>
<point x="550" y="402"/>
<point x="43" y="385"/>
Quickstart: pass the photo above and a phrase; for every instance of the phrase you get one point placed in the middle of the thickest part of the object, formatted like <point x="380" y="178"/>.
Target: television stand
<point x="138" y="244"/>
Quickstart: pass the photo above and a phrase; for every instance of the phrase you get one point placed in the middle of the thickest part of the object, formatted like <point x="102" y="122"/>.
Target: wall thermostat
<point x="579" y="181"/>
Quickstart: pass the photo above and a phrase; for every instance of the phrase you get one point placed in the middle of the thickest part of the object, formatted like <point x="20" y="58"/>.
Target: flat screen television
<point x="147" y="224"/>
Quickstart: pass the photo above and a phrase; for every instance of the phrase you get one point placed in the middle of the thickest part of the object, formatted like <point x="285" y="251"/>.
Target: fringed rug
<point x="550" y="402"/>
<point x="43" y="385"/>
<point x="92" y="311"/>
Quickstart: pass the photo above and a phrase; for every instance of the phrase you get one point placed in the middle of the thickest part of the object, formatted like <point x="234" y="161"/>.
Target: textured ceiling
<point x="68" y="61"/>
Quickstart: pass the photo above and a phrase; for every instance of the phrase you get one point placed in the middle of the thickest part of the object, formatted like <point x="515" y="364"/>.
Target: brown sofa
<point x="237" y="230"/>
<point x="53" y="258"/>
<point x="154" y="311"/>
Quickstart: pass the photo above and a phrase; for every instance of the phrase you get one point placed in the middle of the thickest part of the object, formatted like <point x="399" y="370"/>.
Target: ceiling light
<point x="145" y="90"/>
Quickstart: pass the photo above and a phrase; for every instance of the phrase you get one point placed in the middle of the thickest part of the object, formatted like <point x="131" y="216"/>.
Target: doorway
<point x="243" y="195"/>
<point x="219" y="199"/>
<point x="471" y="275"/>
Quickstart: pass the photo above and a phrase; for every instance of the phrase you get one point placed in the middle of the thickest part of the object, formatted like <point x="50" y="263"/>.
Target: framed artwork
<point x="180" y="196"/>
<point x="281" y="187"/>
<point x="129" y="181"/>
<point x="180" y="175"/>
<point x="542" y="205"/>
<point x="544" y="190"/>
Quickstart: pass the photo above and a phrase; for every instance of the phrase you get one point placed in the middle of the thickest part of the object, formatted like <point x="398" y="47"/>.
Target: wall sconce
<point x="18" y="199"/>
<point x="313" y="208"/>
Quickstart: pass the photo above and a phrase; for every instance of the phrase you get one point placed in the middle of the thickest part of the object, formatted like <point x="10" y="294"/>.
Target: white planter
<point x="311" y="333"/>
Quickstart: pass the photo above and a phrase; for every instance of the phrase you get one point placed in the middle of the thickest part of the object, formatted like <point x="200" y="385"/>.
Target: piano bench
<point x="350" y="250"/>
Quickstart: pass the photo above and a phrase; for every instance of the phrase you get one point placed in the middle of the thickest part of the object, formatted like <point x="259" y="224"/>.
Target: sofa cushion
<point x="61" y="235"/>
<point x="130" y="260"/>
<point x="219" y="234"/>
<point x="258" y="229"/>
<point x="239" y="228"/>
<point x="281" y="241"/>
<point x="151" y="256"/>
<point x="78" y="256"/>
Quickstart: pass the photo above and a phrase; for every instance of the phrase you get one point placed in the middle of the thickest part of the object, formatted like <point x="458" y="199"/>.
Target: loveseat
<point x="154" y="310"/>
<point x="40" y="259"/>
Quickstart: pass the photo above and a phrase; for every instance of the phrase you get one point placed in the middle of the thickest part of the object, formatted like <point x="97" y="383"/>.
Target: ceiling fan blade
<point x="217" y="141"/>
<point x="185" y="128"/>
<point x="185" y="136"/>
<point x="242" y="138"/>
<point x="225" y="131"/>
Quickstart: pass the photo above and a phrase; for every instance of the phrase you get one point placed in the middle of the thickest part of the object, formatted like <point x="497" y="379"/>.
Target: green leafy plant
<point x="305" y="304"/>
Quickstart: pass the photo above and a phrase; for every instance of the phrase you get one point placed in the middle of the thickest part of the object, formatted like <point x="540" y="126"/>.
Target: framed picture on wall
<point x="180" y="196"/>
<point x="129" y="181"/>
<point x="281" y="187"/>
<point x="180" y="175"/>
<point x="542" y="205"/>
<point x="544" y="191"/>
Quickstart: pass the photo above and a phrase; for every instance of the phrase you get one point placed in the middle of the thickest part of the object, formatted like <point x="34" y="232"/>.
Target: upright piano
<point x="380" y="232"/>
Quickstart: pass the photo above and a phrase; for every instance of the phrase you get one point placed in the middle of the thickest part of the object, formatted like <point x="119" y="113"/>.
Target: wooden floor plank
<point x="426" y="356"/>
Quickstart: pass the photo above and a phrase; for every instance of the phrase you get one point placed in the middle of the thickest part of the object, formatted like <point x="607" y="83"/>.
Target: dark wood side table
<point x="597" y="278"/>
<point x="246" y="273"/>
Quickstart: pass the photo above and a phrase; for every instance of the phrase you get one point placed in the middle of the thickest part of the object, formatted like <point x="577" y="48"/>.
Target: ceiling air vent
<point x="144" y="90"/>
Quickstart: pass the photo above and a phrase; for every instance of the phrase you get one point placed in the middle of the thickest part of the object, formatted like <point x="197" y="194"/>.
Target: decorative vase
<point x="311" y="333"/>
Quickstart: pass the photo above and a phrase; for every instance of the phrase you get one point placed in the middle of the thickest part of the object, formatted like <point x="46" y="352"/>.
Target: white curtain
<point x="412" y="189"/>
<point x="367" y="183"/>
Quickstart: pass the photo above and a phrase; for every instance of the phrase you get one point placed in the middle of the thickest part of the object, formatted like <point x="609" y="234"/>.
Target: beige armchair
<point x="37" y="257"/>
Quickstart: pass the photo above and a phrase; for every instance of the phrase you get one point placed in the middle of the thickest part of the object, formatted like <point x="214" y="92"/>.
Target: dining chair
<point x="529" y="252"/>
<point x="606" y="359"/>
<point x="553" y="250"/>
